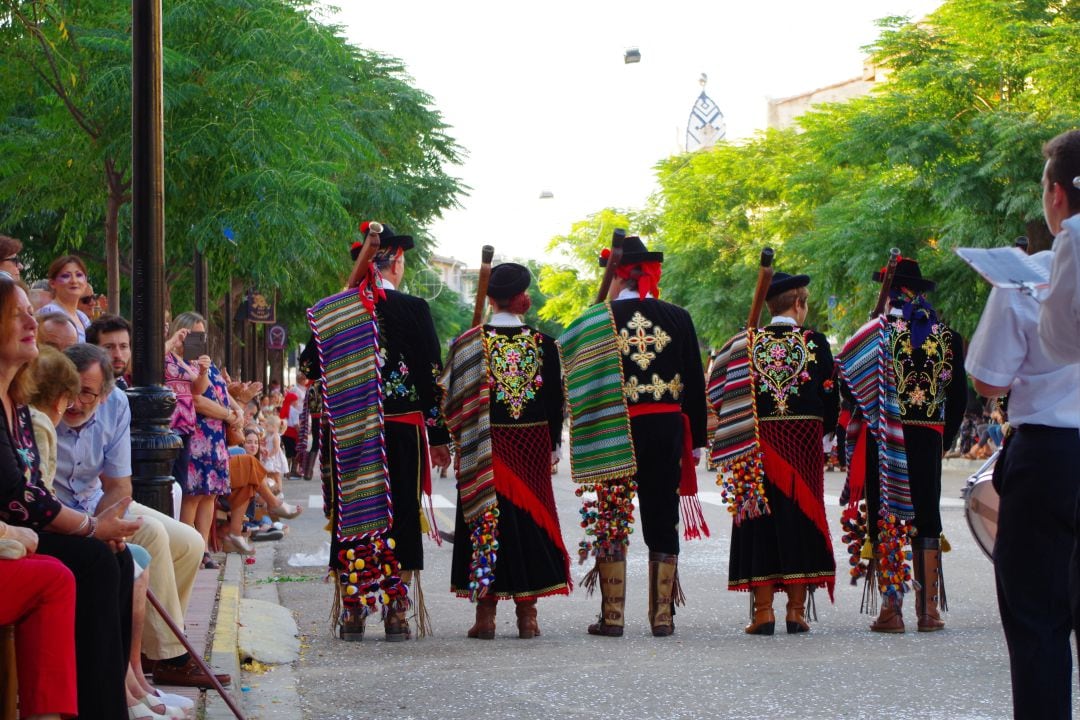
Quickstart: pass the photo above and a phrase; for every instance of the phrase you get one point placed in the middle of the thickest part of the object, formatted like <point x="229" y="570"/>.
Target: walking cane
<point x="613" y="261"/>
<point x="196" y="656"/>
<point x="764" y="277"/>
<point x="486" y="254"/>
<point x="886" y="283"/>
<point x="367" y="252"/>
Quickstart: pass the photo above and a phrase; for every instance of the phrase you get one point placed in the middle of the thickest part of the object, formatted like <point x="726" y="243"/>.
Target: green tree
<point x="570" y="283"/>
<point x="280" y="138"/>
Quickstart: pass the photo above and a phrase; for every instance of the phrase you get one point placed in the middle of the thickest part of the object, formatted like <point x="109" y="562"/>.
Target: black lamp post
<point x="153" y="444"/>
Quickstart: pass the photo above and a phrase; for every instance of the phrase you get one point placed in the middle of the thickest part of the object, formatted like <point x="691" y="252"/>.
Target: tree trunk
<point x="112" y="250"/>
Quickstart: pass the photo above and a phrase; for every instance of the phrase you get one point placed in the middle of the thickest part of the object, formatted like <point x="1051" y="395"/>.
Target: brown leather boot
<point x="764" y="622"/>
<point x="526" y="618"/>
<point x="396" y="620"/>
<point x="661" y="593"/>
<point x="613" y="598"/>
<point x="926" y="559"/>
<point x="484" y="627"/>
<point x="352" y="624"/>
<point x="890" y="619"/>
<point x="796" y="609"/>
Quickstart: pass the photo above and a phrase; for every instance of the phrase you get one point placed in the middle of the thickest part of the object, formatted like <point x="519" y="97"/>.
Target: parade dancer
<point x="377" y="357"/>
<point x="635" y="388"/>
<point x="905" y="370"/>
<point x="503" y="404"/>
<point x="774" y="393"/>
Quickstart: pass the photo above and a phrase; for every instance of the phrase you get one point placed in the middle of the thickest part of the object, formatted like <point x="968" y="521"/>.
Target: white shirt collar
<point x="783" y="320"/>
<point x="386" y="284"/>
<point x="505" y="319"/>
<point x="630" y="294"/>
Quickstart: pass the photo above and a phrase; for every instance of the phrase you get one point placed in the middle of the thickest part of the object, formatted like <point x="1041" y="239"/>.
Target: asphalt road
<point x="708" y="669"/>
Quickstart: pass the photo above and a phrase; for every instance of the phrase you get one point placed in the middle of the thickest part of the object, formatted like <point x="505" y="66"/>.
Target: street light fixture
<point x="632" y="55"/>
<point x="546" y="195"/>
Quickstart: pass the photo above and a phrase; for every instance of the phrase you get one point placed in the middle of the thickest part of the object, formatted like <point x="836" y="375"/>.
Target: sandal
<point x="208" y="563"/>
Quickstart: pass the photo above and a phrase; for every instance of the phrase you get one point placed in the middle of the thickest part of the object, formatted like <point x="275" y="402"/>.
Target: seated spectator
<point x="56" y="329"/>
<point x="39" y="600"/>
<point x="247" y="477"/>
<point x="56" y="384"/>
<point x="93" y="470"/>
<point x="112" y="334"/>
<point x="67" y="278"/>
<point x="103" y="572"/>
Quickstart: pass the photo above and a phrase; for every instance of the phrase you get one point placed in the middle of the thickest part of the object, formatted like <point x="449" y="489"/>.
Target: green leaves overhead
<point x="944" y="153"/>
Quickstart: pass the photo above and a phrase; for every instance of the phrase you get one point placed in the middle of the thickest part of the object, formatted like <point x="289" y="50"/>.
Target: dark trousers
<point x="1037" y="479"/>
<point x="923" y="448"/>
<point x="658" y="446"/>
<point x="103" y="587"/>
<point x="403" y="458"/>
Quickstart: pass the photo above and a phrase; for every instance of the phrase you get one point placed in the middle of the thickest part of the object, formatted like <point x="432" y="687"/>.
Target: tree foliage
<point x="944" y="153"/>
<point x="280" y="138"/>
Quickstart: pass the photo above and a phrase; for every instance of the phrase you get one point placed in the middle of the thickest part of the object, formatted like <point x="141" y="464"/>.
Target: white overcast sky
<point x="538" y="94"/>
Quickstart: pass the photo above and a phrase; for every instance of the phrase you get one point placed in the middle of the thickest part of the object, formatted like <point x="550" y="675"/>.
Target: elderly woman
<point x="208" y="463"/>
<point x="67" y="278"/>
<point x="92" y="548"/>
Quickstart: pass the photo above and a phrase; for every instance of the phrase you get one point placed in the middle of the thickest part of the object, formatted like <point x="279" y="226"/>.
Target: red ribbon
<point x="648" y="281"/>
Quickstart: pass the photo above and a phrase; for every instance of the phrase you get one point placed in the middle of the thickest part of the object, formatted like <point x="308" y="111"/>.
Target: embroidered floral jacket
<point x="526" y="379"/>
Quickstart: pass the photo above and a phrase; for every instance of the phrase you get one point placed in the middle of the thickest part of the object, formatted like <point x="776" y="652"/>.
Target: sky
<point x="539" y="97"/>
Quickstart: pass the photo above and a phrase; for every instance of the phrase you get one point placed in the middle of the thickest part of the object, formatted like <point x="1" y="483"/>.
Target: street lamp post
<point x="153" y="444"/>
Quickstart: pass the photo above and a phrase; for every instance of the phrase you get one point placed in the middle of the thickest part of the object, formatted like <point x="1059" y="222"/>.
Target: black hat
<point x="633" y="252"/>
<point x="908" y="276"/>
<point x="782" y="282"/>
<point x="507" y="280"/>
<point x="388" y="242"/>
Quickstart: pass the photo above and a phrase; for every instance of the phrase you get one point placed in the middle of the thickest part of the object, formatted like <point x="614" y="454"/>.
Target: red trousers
<point x="39" y="599"/>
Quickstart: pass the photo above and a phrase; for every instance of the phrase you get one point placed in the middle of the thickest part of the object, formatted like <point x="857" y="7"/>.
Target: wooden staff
<point x="367" y="252"/>
<point x="613" y="261"/>
<point x="486" y="254"/>
<point x="886" y="283"/>
<point x="764" y="277"/>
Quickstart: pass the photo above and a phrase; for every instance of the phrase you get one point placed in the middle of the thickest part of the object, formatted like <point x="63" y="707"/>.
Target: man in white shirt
<point x="1059" y="315"/>
<point x="1036" y="478"/>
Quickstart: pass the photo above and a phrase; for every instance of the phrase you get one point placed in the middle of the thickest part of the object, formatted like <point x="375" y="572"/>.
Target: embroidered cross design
<point x="637" y="345"/>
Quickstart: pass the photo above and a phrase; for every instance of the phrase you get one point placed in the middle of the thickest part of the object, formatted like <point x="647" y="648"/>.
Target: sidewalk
<point x="211" y="627"/>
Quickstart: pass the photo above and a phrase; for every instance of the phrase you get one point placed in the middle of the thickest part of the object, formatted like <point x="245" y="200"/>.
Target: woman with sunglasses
<point x="67" y="278"/>
<point x="9" y="256"/>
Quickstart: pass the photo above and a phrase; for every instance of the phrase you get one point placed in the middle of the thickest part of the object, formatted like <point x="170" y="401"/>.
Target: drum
<point x="981" y="506"/>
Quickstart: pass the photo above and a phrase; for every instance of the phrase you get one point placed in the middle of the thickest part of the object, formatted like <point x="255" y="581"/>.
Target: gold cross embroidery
<point x="634" y="389"/>
<point x="637" y="345"/>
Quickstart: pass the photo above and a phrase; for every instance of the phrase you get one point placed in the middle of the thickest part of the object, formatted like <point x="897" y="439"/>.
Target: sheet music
<point x="1006" y="267"/>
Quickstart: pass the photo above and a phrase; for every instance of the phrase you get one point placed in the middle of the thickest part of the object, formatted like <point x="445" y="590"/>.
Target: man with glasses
<point x="9" y="256"/>
<point x="93" y="472"/>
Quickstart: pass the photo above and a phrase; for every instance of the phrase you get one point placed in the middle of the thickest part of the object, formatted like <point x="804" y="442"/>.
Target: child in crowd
<point x="271" y="453"/>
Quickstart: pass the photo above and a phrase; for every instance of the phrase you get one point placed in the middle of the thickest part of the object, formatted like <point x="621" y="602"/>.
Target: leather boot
<point x="661" y="593"/>
<point x="764" y="622"/>
<point x="526" y="618"/>
<point x="484" y="627"/>
<point x="890" y="619"/>
<point x="927" y="561"/>
<point x="613" y="598"/>
<point x="396" y="620"/>
<point x="796" y="609"/>
<point x="352" y="624"/>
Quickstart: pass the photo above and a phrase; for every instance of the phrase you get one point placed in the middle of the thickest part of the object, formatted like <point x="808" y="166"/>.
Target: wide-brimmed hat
<point x="389" y="241"/>
<point x="507" y="280"/>
<point x="634" y="251"/>
<point x="907" y="275"/>
<point x="782" y="282"/>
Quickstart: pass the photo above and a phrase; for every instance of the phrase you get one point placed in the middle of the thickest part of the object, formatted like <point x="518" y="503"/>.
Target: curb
<point x="224" y="656"/>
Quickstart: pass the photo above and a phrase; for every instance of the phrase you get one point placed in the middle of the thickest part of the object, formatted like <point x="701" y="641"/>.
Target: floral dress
<point x="208" y="472"/>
